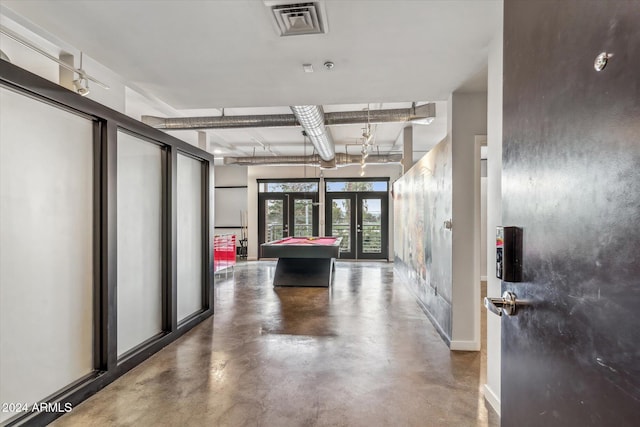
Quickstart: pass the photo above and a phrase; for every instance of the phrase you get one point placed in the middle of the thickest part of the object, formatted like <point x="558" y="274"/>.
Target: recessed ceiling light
<point x="329" y="65"/>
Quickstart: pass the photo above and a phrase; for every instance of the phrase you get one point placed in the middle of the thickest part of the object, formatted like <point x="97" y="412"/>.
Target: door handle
<point x="507" y="304"/>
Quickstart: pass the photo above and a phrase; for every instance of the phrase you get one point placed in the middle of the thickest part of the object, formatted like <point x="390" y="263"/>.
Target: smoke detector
<point x="294" y="19"/>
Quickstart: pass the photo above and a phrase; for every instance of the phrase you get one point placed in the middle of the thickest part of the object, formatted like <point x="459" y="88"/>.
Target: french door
<point x="361" y="219"/>
<point x="287" y="214"/>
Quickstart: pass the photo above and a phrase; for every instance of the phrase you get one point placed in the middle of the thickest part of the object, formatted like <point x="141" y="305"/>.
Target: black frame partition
<point x="107" y="122"/>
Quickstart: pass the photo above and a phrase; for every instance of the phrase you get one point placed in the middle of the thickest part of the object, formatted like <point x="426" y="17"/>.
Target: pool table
<point x="303" y="261"/>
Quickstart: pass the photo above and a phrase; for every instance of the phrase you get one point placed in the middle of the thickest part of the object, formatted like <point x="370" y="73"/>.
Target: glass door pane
<point x="47" y="264"/>
<point x="189" y="239"/>
<point x="302" y="217"/>
<point x="340" y="216"/>
<point x="371" y="210"/>
<point x="140" y="260"/>
<point x="274" y="220"/>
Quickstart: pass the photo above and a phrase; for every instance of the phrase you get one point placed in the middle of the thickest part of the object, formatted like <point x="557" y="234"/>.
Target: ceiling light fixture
<point x="367" y="142"/>
<point x="329" y="65"/>
<point x="81" y="84"/>
<point x="7" y="32"/>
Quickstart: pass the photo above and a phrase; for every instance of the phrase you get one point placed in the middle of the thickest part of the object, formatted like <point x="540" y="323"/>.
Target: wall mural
<point x="422" y="203"/>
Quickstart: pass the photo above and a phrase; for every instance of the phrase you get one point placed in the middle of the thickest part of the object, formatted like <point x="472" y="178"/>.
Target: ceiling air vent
<point x="295" y="19"/>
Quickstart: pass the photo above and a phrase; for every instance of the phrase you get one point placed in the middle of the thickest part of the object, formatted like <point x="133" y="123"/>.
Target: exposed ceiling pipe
<point x="341" y="159"/>
<point x="311" y="118"/>
<point x="422" y="114"/>
<point x="312" y="160"/>
<point x="222" y="122"/>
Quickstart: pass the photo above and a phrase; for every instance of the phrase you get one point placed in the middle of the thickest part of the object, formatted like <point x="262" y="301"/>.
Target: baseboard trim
<point x="431" y="318"/>
<point x="464" y="345"/>
<point x="492" y="399"/>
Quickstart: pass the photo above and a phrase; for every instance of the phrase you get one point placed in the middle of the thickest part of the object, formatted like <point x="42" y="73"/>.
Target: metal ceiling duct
<point x="423" y="114"/>
<point x="311" y="118"/>
<point x="341" y="159"/>
<point x="420" y="114"/>
<point x="221" y="122"/>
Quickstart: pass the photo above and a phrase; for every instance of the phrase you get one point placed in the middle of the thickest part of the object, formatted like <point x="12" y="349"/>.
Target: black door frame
<point x="384" y="225"/>
<point x="288" y="198"/>
<point x="356" y="216"/>
<point x="351" y="196"/>
<point x="315" y="212"/>
<point x="262" y="200"/>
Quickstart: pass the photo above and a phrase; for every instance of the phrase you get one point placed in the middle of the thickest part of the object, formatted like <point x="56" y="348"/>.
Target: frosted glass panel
<point x="139" y="241"/>
<point x="190" y="235"/>
<point x="46" y="249"/>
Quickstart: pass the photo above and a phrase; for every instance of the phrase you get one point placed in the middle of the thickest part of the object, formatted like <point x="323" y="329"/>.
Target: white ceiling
<point x="201" y="56"/>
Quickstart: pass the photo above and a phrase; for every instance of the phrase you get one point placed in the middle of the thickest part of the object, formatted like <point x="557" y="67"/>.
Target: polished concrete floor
<point x="361" y="353"/>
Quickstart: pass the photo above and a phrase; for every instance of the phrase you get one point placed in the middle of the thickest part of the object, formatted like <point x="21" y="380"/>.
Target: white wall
<point x="46" y="249"/>
<point x="467" y="119"/>
<point x="494" y="212"/>
<point x="30" y="60"/>
<point x="392" y="171"/>
<point x="227" y="176"/>
<point x="130" y="101"/>
<point x="230" y="203"/>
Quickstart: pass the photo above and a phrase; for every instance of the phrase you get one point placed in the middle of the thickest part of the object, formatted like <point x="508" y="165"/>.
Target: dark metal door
<point x="273" y="217"/>
<point x="372" y="226"/>
<point x="303" y="214"/>
<point x="571" y="180"/>
<point x="340" y="214"/>
<point x="287" y="214"/>
<point x="361" y="219"/>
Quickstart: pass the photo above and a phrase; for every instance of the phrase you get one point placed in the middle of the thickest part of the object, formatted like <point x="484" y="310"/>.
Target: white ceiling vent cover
<point x="294" y="19"/>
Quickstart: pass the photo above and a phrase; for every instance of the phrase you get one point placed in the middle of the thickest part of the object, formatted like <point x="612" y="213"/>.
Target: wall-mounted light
<point x="81" y="86"/>
<point x="81" y="74"/>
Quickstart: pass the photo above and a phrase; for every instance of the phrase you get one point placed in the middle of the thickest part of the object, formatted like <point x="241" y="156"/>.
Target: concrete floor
<point x="361" y="353"/>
